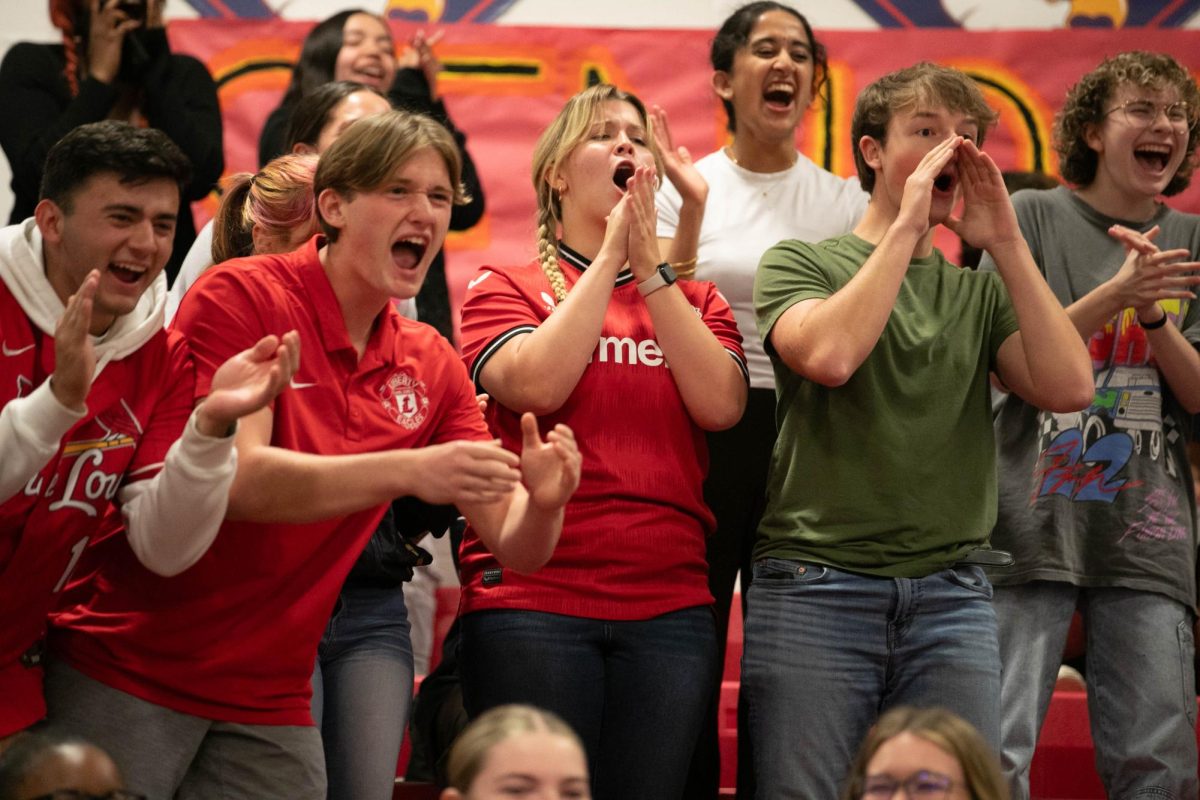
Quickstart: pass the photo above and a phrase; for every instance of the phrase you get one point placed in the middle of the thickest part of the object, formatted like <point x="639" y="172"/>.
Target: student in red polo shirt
<point x="199" y="686"/>
<point x="97" y="431"/>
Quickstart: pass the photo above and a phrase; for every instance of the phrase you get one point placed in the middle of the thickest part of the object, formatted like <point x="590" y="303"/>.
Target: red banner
<point x="502" y="85"/>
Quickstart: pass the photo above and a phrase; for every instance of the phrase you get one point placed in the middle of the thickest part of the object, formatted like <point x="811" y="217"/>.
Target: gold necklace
<point x="729" y="152"/>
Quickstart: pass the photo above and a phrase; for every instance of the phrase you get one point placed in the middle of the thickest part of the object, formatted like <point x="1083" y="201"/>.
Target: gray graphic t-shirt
<point x="1102" y="497"/>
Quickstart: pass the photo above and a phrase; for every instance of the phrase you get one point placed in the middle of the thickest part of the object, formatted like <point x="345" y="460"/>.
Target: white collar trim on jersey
<point x="580" y="263"/>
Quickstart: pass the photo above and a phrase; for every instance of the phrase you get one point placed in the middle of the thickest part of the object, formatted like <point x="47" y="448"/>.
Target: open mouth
<point x="126" y="273"/>
<point x="408" y="252"/>
<point x="780" y="95"/>
<point x="622" y="174"/>
<point x="1153" y="156"/>
<point x="944" y="182"/>
<point x="370" y="74"/>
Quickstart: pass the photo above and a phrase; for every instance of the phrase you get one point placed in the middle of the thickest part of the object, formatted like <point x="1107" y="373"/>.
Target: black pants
<point x="736" y="492"/>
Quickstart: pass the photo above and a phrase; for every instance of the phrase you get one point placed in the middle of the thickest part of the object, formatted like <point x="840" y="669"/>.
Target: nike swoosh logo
<point x="8" y="352"/>
<point x="471" y="284"/>
<point x="296" y="385"/>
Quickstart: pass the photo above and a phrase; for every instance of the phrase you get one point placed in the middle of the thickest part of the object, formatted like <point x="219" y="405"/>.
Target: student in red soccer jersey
<point x="199" y="686"/>
<point x="615" y="633"/>
<point x="97" y="399"/>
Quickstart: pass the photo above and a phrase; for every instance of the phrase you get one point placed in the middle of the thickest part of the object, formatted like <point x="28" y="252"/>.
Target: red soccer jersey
<point x="632" y="545"/>
<point x="234" y="637"/>
<point x="137" y="407"/>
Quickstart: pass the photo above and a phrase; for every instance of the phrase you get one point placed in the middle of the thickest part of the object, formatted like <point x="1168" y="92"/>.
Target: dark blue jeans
<point x="634" y="691"/>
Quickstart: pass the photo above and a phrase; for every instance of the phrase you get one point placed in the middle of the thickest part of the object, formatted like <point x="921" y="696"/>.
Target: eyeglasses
<point x="918" y="786"/>
<point x="1144" y="113"/>
<point x="76" y="794"/>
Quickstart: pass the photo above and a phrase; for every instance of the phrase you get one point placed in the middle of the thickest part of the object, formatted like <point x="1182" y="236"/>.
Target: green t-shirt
<point x="893" y="473"/>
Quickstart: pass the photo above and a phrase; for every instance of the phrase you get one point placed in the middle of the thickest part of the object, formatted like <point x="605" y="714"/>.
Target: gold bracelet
<point x="685" y="268"/>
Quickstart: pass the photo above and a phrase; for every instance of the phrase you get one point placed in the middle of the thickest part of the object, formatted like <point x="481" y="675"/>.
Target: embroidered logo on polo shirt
<point x="406" y="399"/>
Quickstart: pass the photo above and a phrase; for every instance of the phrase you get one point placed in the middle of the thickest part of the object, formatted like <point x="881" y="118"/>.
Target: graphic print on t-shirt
<point x="1090" y="455"/>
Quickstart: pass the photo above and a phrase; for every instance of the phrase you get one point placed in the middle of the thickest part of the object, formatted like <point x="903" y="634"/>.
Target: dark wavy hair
<point x="134" y="154"/>
<point x="903" y="91"/>
<point x="734" y="33"/>
<point x="311" y="113"/>
<point x="318" y="55"/>
<point x="1086" y="102"/>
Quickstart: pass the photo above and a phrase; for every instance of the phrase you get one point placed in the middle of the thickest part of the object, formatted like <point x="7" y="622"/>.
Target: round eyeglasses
<point x="921" y="785"/>
<point x="1144" y="113"/>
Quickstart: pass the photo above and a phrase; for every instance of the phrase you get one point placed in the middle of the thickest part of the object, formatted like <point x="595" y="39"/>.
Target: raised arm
<point x="712" y="385"/>
<point x="681" y="250"/>
<point x="827" y="339"/>
<point x="538" y="371"/>
<point x="522" y="530"/>
<point x="173" y="517"/>
<point x="32" y="427"/>
<point x="1045" y="361"/>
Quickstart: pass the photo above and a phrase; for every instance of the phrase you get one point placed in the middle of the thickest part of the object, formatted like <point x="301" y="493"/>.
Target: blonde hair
<point x="278" y="199"/>
<point x="946" y="730"/>
<point x="475" y="743"/>
<point x="367" y="154"/>
<point x="570" y="128"/>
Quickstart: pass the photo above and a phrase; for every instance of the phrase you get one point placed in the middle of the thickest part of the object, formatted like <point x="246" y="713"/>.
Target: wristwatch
<point x="663" y="276"/>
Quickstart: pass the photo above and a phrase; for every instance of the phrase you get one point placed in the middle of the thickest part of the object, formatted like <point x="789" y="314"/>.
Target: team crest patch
<point x="406" y="399"/>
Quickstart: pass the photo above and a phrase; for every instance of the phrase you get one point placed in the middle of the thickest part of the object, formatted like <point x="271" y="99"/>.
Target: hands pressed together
<point x="1149" y="274"/>
<point x="632" y="233"/>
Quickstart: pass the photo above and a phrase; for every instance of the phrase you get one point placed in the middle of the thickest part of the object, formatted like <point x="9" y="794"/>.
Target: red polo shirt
<point x="633" y="540"/>
<point x="137" y="408"/>
<point x="234" y="637"/>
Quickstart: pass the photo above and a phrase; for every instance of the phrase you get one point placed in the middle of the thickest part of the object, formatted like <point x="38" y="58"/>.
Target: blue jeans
<point x="1140" y="677"/>
<point x="362" y="691"/>
<point x="635" y="691"/>
<point x="828" y="651"/>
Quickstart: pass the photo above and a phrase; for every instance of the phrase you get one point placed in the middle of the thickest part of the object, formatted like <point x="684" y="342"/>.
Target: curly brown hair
<point x="1086" y="102"/>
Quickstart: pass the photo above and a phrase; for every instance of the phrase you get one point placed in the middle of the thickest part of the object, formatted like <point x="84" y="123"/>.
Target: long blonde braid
<point x="548" y="253"/>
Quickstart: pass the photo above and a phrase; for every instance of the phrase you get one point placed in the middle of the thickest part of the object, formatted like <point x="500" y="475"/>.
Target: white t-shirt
<point x="748" y="213"/>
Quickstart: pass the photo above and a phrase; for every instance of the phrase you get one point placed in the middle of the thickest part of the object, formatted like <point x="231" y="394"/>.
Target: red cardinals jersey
<point x="234" y="637"/>
<point x="632" y="545"/>
<point x="137" y="408"/>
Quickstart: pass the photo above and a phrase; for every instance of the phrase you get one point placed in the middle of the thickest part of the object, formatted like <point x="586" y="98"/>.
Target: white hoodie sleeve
<point x="31" y="431"/>
<point x="172" y="518"/>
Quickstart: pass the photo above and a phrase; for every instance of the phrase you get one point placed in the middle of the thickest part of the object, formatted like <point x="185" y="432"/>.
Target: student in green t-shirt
<point x="867" y="593"/>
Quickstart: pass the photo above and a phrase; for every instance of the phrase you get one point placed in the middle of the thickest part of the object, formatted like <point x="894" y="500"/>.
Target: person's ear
<point x="1092" y="137"/>
<point x="304" y="149"/>
<point x="871" y="151"/>
<point x="50" y="219"/>
<point x="722" y="84"/>
<point x="332" y="207"/>
<point x="450" y="794"/>
<point x="263" y="241"/>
